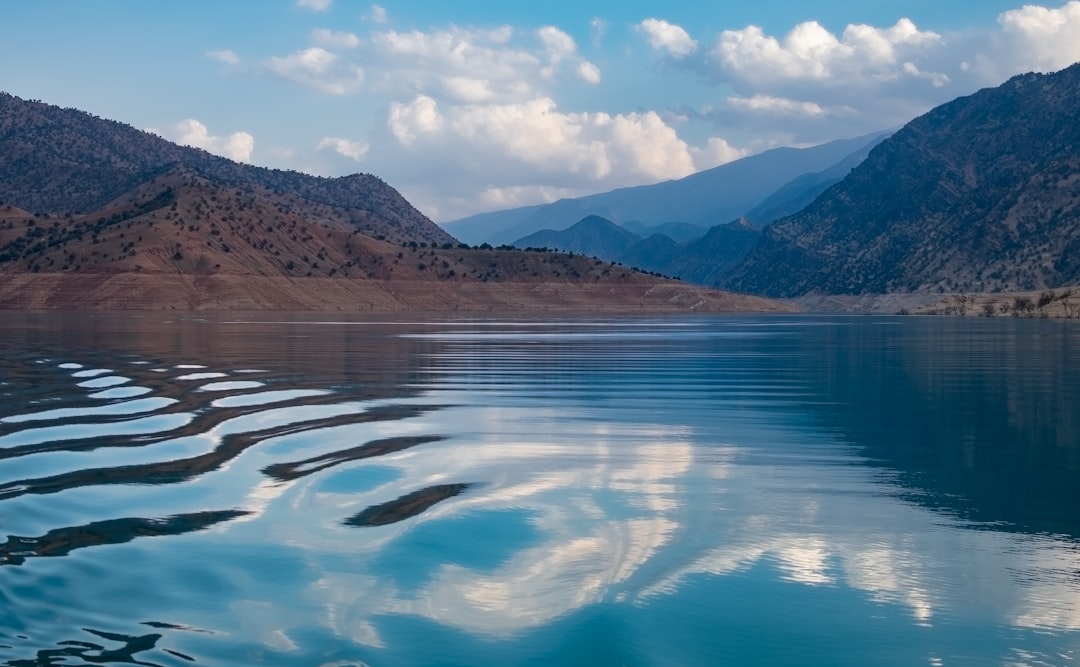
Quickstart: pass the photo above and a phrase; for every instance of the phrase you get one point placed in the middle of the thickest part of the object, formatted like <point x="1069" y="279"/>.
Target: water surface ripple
<point x="665" y="491"/>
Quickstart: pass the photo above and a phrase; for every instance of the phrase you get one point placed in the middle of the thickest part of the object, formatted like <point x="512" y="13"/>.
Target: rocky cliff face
<point x="979" y="194"/>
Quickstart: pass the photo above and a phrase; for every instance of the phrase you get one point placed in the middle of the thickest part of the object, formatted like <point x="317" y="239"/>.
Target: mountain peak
<point x="979" y="194"/>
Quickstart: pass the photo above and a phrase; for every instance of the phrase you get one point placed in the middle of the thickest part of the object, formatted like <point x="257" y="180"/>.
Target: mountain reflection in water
<point x="766" y="490"/>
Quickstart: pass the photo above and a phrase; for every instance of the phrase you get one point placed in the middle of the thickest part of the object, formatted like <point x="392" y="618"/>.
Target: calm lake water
<point x="676" y="491"/>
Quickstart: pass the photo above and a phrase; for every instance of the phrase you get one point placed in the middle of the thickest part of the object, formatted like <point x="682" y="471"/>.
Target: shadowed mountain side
<point x="407" y="506"/>
<point x="798" y="193"/>
<point x="707" y="260"/>
<point x="980" y="194"/>
<point x="61" y="161"/>
<point x="656" y="252"/>
<point x="704" y="199"/>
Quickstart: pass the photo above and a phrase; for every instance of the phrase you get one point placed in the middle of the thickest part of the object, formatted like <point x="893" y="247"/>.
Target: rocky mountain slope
<point x="60" y="161"/>
<point x="707" y="198"/>
<point x="980" y="194"/>
<point x="94" y="216"/>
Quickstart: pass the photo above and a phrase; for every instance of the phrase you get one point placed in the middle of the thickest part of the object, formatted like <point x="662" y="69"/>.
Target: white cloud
<point x="862" y="54"/>
<point x="410" y="121"/>
<point x="776" y="105"/>
<point x="378" y="14"/>
<point x="558" y="44"/>
<point x="522" y="195"/>
<point x="716" y="152"/>
<point x="507" y="143"/>
<point x="335" y="39"/>
<point x="823" y="85"/>
<point x="598" y="28"/>
<point x="225" y="56"/>
<point x="317" y="5"/>
<point x="588" y="72"/>
<point x="1036" y="38"/>
<point x="664" y="36"/>
<point x="190" y="132"/>
<point x="456" y="64"/>
<point x="354" y="150"/>
<point x="317" y="68"/>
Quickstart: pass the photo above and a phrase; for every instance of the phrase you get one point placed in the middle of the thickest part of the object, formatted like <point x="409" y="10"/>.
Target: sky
<point x="481" y="105"/>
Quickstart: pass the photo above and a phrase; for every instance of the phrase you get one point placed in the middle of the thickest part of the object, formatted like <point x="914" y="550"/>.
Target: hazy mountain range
<point x="707" y="198"/>
<point x="981" y="194"/>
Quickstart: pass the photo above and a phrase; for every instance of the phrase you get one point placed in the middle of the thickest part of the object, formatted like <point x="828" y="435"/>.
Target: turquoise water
<point x="674" y="491"/>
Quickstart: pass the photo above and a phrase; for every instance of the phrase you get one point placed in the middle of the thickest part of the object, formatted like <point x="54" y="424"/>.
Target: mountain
<point x="799" y="192"/>
<point x="680" y="232"/>
<point x="592" y="235"/>
<point x="979" y="194"/>
<point x="702" y="261"/>
<point x="59" y="161"/>
<point x="97" y="215"/>
<point x="707" y="260"/>
<point x="707" y="198"/>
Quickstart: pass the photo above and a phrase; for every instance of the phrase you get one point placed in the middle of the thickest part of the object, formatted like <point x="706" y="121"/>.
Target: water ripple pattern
<point x="683" y="491"/>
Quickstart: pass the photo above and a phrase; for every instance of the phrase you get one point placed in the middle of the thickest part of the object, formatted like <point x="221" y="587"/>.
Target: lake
<point x="302" y="490"/>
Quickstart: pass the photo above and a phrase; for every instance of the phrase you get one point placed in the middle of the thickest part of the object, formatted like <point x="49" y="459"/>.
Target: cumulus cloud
<point x="519" y="153"/>
<point x="190" y="132"/>
<point x="335" y="39"/>
<point x="317" y="5"/>
<point x="716" y="152"/>
<point x="317" y="68"/>
<point x="516" y="145"/>
<point x="1032" y="38"/>
<point x="558" y="44"/>
<point x="588" y="72"/>
<point x="809" y="52"/>
<point x="461" y="65"/>
<point x="378" y="14"/>
<point x="823" y="85"/>
<point x="354" y="150"/>
<point x="560" y="47"/>
<point x="456" y="64"/>
<point x="225" y="56"/>
<point x="664" y="36"/>
<point x="410" y="121"/>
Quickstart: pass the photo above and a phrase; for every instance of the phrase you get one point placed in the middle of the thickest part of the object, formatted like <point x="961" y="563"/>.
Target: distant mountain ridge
<point x="707" y="198"/>
<point x="979" y="194"/>
<point x="700" y="261"/>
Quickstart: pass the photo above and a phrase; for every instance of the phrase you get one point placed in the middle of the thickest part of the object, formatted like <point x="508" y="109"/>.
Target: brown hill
<point x="179" y="241"/>
<point x="61" y="161"/>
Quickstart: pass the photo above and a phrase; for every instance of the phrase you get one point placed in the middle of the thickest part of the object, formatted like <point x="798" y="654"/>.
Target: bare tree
<point x="962" y="301"/>
<point x="1022" y="305"/>
<point x="1066" y="301"/>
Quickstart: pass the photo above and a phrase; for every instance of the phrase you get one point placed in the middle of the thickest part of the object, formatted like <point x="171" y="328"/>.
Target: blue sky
<point x="481" y="105"/>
